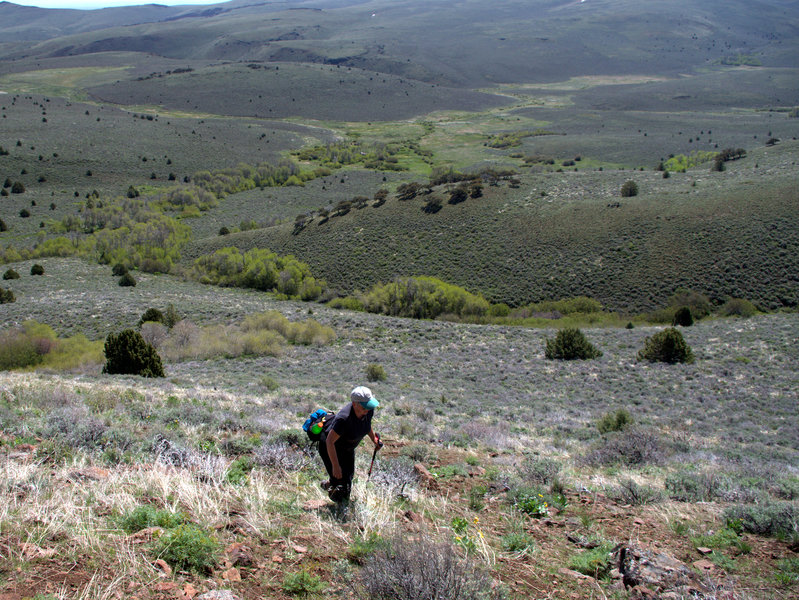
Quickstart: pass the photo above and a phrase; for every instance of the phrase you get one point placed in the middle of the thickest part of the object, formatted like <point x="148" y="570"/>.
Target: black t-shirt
<point x="351" y="429"/>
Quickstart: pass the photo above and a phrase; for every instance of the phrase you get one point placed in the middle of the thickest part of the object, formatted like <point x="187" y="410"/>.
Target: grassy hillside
<point x="280" y="90"/>
<point x="569" y="234"/>
<point x="92" y="460"/>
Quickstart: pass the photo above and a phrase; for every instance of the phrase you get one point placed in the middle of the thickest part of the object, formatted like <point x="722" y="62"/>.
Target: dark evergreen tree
<point x="127" y="353"/>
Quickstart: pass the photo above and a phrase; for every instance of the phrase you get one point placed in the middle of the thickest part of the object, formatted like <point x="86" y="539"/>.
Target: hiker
<point x="339" y="438"/>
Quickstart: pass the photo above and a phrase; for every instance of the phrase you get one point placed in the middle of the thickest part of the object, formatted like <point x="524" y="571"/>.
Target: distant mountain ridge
<point x="464" y="44"/>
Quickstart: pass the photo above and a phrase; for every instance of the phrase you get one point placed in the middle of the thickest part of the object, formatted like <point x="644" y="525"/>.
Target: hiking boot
<point x="339" y="493"/>
<point x="325" y="485"/>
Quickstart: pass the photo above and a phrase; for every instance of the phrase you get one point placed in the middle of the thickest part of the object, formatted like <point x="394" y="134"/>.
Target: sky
<point x="88" y="4"/>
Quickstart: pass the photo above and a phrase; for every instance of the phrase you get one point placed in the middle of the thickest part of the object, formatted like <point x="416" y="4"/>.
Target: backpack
<point x="315" y="423"/>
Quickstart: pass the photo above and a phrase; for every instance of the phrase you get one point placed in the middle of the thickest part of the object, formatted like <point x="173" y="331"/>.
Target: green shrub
<point x="629" y="188"/>
<point x="375" y="372"/>
<point x="127" y="353"/>
<point x="738" y="307"/>
<point x="772" y="518"/>
<point x="570" y="344"/>
<point x="614" y="421"/>
<point x="666" y="346"/>
<point x="119" y="269"/>
<point x="259" y="269"/>
<point x="683" y="317"/>
<point x="423" y="298"/>
<point x="531" y="502"/>
<point x="127" y="280"/>
<point x="691" y="486"/>
<point x="542" y="471"/>
<point x="146" y="516"/>
<point x="171" y="316"/>
<point x="17" y="350"/>
<point x="7" y="296"/>
<point x="595" y="563"/>
<point x="37" y="269"/>
<point x="302" y="583"/>
<point x="239" y="470"/>
<point x="187" y="547"/>
<point x="517" y="541"/>
<point x="10" y="274"/>
<point x="269" y="383"/>
<point x="347" y="303"/>
<point x="789" y="570"/>
<point x="152" y="315"/>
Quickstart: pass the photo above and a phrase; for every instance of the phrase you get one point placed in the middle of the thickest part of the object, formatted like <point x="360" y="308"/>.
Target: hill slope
<point x="569" y="234"/>
<point x="469" y="44"/>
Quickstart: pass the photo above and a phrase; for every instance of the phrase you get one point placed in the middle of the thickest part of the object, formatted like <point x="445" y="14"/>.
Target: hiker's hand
<point x="336" y="472"/>
<point x="378" y="442"/>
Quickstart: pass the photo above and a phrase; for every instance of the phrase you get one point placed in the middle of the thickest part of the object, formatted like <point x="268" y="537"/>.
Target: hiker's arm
<point x="330" y="444"/>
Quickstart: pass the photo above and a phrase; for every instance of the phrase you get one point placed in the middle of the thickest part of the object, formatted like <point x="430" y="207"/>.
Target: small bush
<point x="302" y="583"/>
<point x="614" y="421"/>
<point x="187" y="547"/>
<point x="629" y="492"/>
<point x="118" y="270"/>
<point x="18" y="188"/>
<point x="629" y="188"/>
<point x="631" y="447"/>
<point x="423" y="568"/>
<point x="18" y="350"/>
<point x="666" y="346"/>
<point x="773" y="519"/>
<point x="375" y="372"/>
<point x="738" y="307"/>
<point x="7" y="296"/>
<point x="152" y="315"/>
<point x="347" y="303"/>
<point x="239" y="470"/>
<point x="517" y="541"/>
<point x="127" y="353"/>
<point x="146" y="516"/>
<point x="280" y="456"/>
<point x="690" y="486"/>
<point x="270" y="384"/>
<point x="683" y="317"/>
<point x="10" y="274"/>
<point x="531" y="503"/>
<point x="595" y="563"/>
<point x="171" y="316"/>
<point x="570" y="344"/>
<point x="127" y="280"/>
<point x="37" y="269"/>
<point x="540" y="470"/>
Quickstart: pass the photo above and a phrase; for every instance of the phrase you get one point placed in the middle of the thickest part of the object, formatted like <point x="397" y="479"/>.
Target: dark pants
<point x="346" y="460"/>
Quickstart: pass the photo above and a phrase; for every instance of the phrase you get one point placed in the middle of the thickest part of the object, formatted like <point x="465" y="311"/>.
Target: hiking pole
<point x="378" y="445"/>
